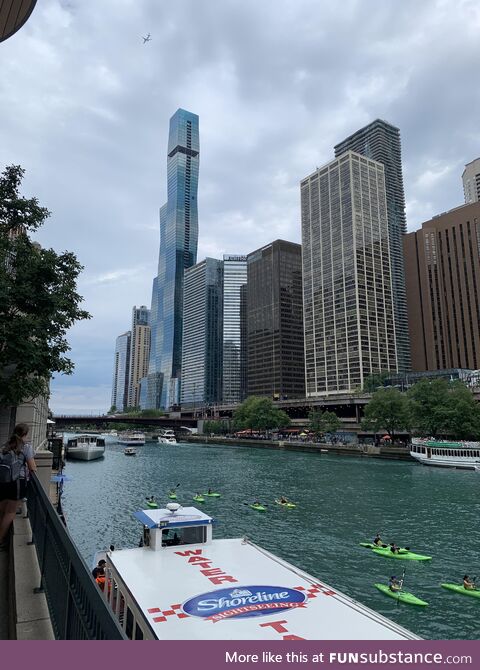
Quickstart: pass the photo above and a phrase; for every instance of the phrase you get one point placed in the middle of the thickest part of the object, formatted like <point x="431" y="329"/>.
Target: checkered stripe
<point x="166" y="613"/>
<point x="314" y="590"/>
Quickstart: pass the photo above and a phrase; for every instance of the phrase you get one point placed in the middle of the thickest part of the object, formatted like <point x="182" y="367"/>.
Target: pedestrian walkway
<point x="4" y="595"/>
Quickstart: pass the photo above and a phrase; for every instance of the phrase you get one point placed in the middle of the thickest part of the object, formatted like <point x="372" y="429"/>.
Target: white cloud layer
<point x="85" y="109"/>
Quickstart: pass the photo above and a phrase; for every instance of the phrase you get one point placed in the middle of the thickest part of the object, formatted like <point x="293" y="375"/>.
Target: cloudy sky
<point x="85" y="106"/>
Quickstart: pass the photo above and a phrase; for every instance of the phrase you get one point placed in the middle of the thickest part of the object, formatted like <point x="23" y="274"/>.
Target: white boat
<point x="85" y="447"/>
<point x="110" y="437"/>
<point x="465" y="455"/>
<point x="131" y="439"/>
<point x="130" y="451"/>
<point x="167" y="437"/>
<point x="184" y="585"/>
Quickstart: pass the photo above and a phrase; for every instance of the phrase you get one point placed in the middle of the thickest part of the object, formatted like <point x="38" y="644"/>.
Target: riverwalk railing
<point x="77" y="608"/>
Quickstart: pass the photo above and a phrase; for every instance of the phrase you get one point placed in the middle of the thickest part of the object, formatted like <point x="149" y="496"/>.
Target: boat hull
<point x="85" y="453"/>
<point x="402" y="596"/>
<point x="458" y="588"/>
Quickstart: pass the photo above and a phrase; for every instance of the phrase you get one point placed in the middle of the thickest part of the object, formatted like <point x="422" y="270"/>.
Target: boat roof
<point x="232" y="589"/>
<point x="164" y="518"/>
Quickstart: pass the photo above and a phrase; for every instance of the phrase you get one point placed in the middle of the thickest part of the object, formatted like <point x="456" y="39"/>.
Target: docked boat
<point x="167" y="437"/>
<point x="110" y="437"/>
<point x="131" y="439"/>
<point x="464" y="455"/>
<point x="85" y="447"/>
<point x="181" y="581"/>
<point x="130" y="451"/>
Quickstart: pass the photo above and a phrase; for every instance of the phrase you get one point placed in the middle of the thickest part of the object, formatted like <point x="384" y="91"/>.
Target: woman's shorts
<point x="13" y="490"/>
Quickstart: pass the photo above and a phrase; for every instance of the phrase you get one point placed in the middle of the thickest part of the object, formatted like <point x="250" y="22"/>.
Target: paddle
<point x="401" y="584"/>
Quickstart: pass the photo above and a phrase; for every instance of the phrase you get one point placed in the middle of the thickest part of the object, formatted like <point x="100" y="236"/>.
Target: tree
<point x="429" y="403"/>
<point x="38" y="298"/>
<point x="462" y="412"/>
<point x="259" y="413"/>
<point x="387" y="410"/>
<point x="373" y="381"/>
<point x="112" y="410"/>
<point x="323" y="422"/>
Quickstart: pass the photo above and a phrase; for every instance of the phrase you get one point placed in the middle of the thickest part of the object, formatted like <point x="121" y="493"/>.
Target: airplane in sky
<point x="147" y="38"/>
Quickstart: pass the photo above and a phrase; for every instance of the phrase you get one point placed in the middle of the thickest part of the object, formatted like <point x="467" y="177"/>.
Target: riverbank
<point x="397" y="453"/>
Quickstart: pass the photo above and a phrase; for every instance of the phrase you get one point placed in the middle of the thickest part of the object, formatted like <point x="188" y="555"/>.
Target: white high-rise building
<point x="471" y="181"/>
<point x="347" y="279"/>
<point x="121" y="368"/>
<point x="139" y="353"/>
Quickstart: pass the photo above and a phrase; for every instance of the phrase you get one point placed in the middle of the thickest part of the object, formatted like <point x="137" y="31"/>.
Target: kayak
<point x="199" y="498"/>
<point x="259" y="508"/>
<point x="403" y="554"/>
<point x="402" y="596"/>
<point x="152" y="504"/>
<point x="213" y="495"/>
<point x="459" y="588"/>
<point x="172" y="496"/>
<point x="289" y="505"/>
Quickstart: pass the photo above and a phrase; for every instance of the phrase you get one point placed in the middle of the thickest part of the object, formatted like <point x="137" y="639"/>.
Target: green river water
<point x="341" y="501"/>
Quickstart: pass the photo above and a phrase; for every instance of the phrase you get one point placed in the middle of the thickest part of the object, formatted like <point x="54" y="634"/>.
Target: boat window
<point x="121" y="608"/>
<point x="138" y="632"/>
<point x="129" y="626"/>
<point x="189" y="535"/>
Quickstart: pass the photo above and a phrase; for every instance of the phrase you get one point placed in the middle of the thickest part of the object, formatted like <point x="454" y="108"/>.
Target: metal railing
<point x="77" y="608"/>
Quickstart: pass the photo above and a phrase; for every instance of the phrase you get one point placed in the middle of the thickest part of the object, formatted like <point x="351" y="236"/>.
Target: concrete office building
<point x="471" y="181"/>
<point x="121" y="370"/>
<point x="380" y="141"/>
<point x="202" y="334"/>
<point x="139" y="353"/>
<point x="442" y="266"/>
<point x="274" y="315"/>
<point x="347" y="283"/>
<point x="234" y="335"/>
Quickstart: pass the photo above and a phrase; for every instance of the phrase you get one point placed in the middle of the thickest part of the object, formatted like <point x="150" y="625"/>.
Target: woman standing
<point x="12" y="492"/>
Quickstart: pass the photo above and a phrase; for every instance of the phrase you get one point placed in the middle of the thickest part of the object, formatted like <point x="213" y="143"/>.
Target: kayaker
<point x="394" y="548"/>
<point x="209" y="491"/>
<point x="394" y="584"/>
<point x="283" y="500"/>
<point x="378" y="540"/>
<point x="468" y="583"/>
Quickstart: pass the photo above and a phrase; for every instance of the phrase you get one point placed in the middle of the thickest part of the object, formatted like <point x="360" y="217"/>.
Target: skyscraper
<point x="202" y="334"/>
<point x="274" y="315"/>
<point x="381" y="142"/>
<point x="347" y="284"/>
<point x="471" y="181"/>
<point x="121" y="369"/>
<point x="139" y="352"/>
<point x="178" y="251"/>
<point x="234" y="345"/>
<point x="442" y="261"/>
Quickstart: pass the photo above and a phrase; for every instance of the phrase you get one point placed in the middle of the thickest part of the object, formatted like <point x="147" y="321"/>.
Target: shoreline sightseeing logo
<point x="243" y="602"/>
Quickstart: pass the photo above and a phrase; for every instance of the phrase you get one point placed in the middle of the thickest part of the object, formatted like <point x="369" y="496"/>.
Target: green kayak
<point x="459" y="588"/>
<point x="289" y="505"/>
<point x="172" y="496"/>
<point x="259" y="508"/>
<point x="199" y="498"/>
<point x="402" y="596"/>
<point x="403" y="554"/>
<point x="213" y="495"/>
<point x="152" y="503"/>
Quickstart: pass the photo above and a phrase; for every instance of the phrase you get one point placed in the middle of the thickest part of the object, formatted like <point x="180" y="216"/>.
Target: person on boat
<point x="209" y="491"/>
<point x="378" y="540"/>
<point x="394" y="584"/>
<point x="394" y="548"/>
<point x="468" y="583"/>
<point x="283" y="500"/>
<point x="99" y="569"/>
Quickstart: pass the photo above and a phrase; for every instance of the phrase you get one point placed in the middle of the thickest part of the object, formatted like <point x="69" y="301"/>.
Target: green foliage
<point x="372" y="382"/>
<point x="38" y="298"/>
<point x="151" y="412"/>
<point x="215" y="427"/>
<point x="131" y="410"/>
<point x="259" y="413"/>
<point x="387" y="410"/>
<point x="112" y="410"/>
<point x="323" y="422"/>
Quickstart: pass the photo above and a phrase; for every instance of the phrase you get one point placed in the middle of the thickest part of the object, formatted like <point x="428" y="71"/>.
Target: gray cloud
<point x="85" y="109"/>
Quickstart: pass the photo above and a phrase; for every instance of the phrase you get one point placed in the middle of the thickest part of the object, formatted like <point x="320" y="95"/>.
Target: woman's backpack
<point x="11" y="464"/>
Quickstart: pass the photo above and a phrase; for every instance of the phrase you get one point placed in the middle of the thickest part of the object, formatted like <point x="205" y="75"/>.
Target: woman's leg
<point x="9" y="508"/>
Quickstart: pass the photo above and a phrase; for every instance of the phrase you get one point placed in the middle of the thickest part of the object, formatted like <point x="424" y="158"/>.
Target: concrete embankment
<point x="400" y="453"/>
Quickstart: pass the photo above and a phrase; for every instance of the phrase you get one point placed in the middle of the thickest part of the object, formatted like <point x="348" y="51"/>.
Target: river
<point x="341" y="501"/>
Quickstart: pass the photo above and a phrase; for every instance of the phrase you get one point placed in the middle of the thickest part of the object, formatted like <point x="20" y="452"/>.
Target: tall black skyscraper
<point x="381" y="142"/>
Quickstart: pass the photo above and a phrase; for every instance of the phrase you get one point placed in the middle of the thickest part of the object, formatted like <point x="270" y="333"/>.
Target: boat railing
<point x="77" y="608"/>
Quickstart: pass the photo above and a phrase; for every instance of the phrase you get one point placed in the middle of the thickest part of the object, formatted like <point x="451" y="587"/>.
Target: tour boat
<point x="131" y="439"/>
<point x="85" y="447"/>
<point x="130" y="451"/>
<point x="167" y="437"/>
<point x="184" y="585"/>
<point x="464" y="455"/>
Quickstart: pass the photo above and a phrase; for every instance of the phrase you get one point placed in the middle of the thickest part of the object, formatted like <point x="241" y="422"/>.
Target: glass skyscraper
<point x="121" y="369"/>
<point x="178" y="251"/>
<point x="347" y="282"/>
<point x="381" y="142"/>
<point x="202" y="334"/>
<point x="234" y="345"/>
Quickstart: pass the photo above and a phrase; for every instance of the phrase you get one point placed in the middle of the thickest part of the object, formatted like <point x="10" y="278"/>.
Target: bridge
<point x="106" y="420"/>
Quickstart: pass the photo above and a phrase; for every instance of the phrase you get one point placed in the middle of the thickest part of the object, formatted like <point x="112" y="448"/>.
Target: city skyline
<point x="87" y="112"/>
